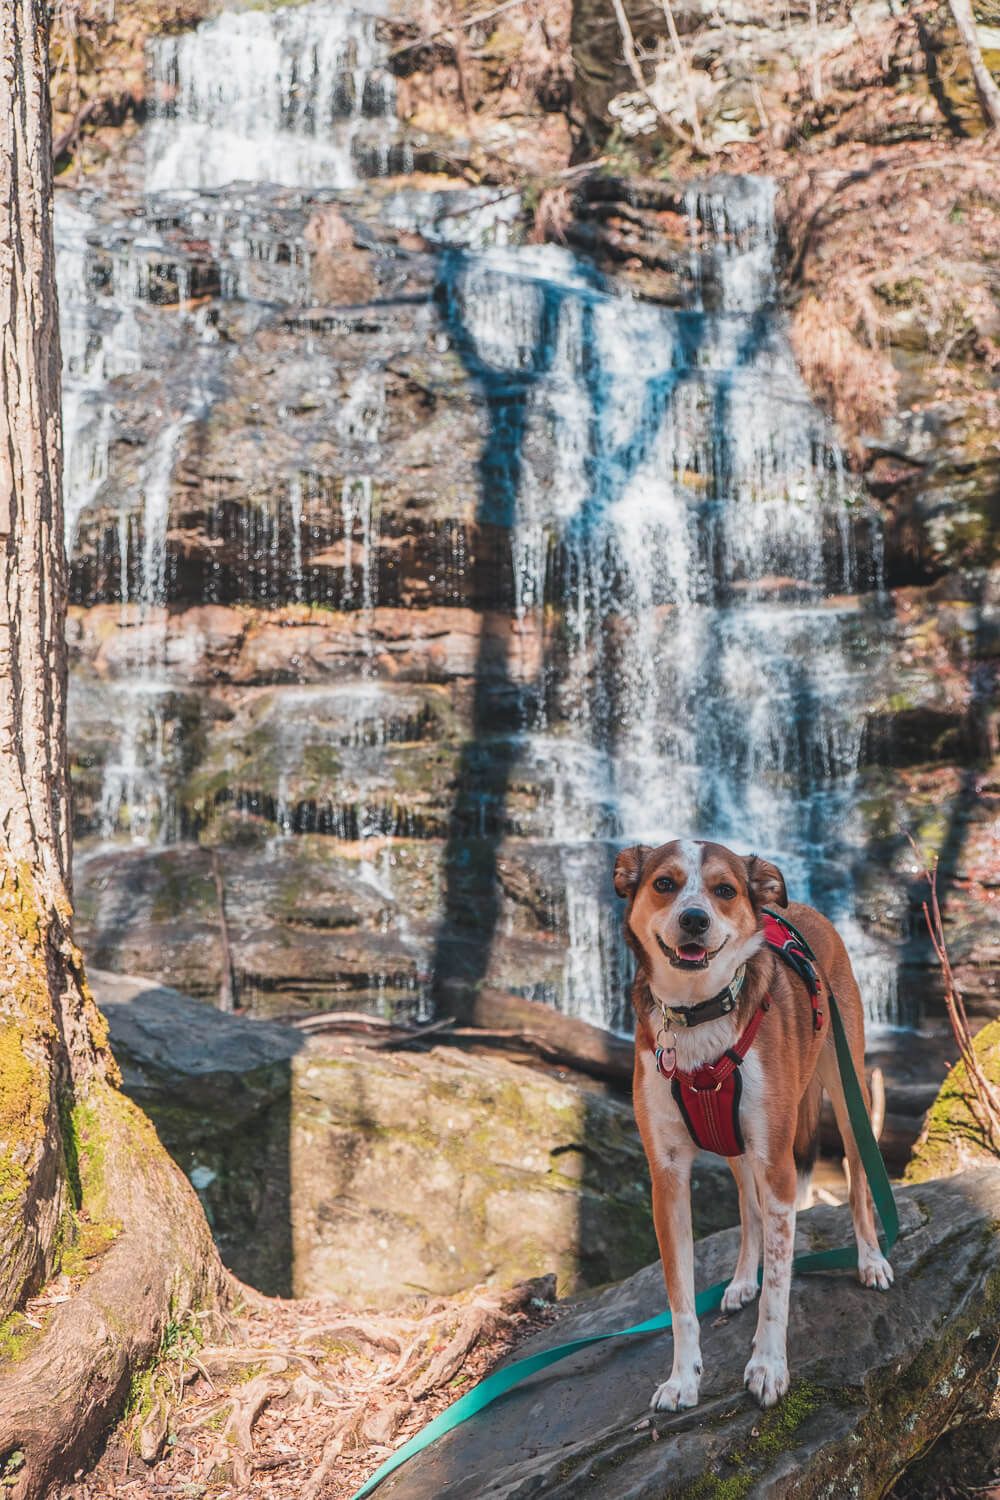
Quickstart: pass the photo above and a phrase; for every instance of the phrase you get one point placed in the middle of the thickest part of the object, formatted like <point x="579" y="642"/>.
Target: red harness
<point x="709" y="1097"/>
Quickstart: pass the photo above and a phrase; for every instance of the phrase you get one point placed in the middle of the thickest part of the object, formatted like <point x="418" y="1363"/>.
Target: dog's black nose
<point x="695" y="921"/>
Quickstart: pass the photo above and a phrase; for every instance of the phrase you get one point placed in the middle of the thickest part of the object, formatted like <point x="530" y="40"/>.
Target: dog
<point x="695" y="922"/>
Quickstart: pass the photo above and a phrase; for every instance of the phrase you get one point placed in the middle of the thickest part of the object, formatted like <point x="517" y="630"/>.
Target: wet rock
<point x="875" y="1378"/>
<point x="317" y="922"/>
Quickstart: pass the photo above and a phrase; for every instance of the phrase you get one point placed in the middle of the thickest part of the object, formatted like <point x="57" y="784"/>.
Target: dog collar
<point x="706" y="1010"/>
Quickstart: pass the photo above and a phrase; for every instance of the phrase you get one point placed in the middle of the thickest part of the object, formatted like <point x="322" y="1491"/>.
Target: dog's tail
<point x="805" y="1147"/>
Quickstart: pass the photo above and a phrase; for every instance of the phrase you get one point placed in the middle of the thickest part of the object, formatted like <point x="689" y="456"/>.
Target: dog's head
<point x="694" y="912"/>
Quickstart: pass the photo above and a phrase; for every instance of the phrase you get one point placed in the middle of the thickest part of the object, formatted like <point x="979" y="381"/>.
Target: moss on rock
<point x="952" y="1138"/>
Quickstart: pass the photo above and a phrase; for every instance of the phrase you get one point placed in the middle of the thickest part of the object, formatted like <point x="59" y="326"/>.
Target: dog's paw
<point x="874" y="1270"/>
<point x="766" y="1378"/>
<point x="675" y="1394"/>
<point x="738" y="1294"/>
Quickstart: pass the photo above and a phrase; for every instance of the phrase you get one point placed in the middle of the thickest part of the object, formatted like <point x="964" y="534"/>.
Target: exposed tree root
<point x="306" y="1400"/>
<point x="76" y="1374"/>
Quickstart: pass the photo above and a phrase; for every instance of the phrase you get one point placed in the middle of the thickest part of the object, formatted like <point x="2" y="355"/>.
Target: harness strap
<point x="787" y="943"/>
<point x="709" y="1097"/>
<point x="844" y="1258"/>
<point x="713" y="1075"/>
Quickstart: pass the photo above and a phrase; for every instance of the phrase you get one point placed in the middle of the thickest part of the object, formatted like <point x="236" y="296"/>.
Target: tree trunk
<point x="987" y="89"/>
<point x="81" y="1171"/>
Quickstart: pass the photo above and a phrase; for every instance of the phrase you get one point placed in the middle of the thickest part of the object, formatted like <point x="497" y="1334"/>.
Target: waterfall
<point x="682" y="506"/>
<point x="693" y="587"/>
<point x="294" y="95"/>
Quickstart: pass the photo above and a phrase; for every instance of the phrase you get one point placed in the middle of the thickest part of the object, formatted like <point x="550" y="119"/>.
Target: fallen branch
<point x="632" y="60"/>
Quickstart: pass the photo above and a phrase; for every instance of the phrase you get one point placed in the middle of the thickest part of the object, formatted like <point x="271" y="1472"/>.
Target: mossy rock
<point x="952" y="1138"/>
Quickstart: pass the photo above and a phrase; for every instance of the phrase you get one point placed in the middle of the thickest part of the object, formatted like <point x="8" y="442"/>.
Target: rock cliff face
<point x="414" y="567"/>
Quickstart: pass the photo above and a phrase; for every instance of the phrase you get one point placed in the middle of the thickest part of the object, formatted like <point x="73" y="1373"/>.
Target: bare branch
<point x="983" y="1098"/>
<point x="685" y="72"/>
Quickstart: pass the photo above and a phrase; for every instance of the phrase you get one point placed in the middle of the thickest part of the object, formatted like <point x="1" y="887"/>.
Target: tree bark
<point x="80" y="1170"/>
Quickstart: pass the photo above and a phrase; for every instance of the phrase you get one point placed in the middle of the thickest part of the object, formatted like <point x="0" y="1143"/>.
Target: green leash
<point x="502" y="1381"/>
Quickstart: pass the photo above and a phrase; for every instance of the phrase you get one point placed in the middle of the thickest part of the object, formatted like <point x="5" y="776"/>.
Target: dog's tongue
<point x="693" y="952"/>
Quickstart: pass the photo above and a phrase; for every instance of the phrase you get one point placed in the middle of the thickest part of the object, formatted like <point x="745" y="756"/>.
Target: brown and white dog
<point x="693" y="922"/>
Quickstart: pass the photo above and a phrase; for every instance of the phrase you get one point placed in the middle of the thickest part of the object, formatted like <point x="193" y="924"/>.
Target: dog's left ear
<point x="767" y="884"/>
<point x="628" y="869"/>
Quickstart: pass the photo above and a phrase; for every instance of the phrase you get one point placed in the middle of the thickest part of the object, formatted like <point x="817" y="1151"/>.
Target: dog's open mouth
<point x="690" y="955"/>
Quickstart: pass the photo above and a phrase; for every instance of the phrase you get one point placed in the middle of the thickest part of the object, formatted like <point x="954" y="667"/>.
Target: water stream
<point x="694" y="584"/>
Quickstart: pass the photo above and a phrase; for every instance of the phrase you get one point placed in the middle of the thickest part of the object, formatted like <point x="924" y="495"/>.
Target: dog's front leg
<point x="672" y="1218"/>
<point x="766" y="1375"/>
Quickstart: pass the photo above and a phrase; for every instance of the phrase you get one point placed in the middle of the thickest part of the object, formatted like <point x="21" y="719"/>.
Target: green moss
<point x="88" y="1148"/>
<point x="906" y="293"/>
<point x="11" y="1466"/>
<point x="778" y="1425"/>
<point x="17" y="1337"/>
<point x="183" y="894"/>
<point x="951" y="1133"/>
<point x="774" y="1434"/>
<point x="714" y="1487"/>
<point x="88" y="1242"/>
<point x="25" y="1047"/>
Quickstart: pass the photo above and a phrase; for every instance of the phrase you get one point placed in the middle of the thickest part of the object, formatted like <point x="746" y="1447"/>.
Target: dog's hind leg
<point x="806" y="1143"/>
<point x="743" y="1287"/>
<point x="873" y="1268"/>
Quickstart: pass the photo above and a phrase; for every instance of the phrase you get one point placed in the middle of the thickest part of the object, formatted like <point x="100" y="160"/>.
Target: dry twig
<point x="983" y="1098"/>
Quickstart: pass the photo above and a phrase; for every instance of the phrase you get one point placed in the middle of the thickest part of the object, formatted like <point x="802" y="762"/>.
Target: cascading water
<point x="691" y="611"/>
<point x="682" y="506"/>
<point x="279" y="96"/>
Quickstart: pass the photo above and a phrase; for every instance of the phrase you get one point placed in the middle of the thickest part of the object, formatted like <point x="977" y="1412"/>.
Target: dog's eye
<point x="663" y="883"/>
<point x="725" y="892"/>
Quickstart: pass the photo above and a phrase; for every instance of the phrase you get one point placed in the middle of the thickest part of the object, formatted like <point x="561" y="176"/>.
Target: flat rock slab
<point x="875" y="1377"/>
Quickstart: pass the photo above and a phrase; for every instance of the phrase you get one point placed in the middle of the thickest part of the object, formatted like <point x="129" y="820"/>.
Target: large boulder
<point x="876" y="1377"/>
<point x="438" y="1170"/>
<point x="332" y="1166"/>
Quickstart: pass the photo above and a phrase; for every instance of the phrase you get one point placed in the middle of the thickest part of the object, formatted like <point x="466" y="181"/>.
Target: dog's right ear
<point x="628" y="869"/>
